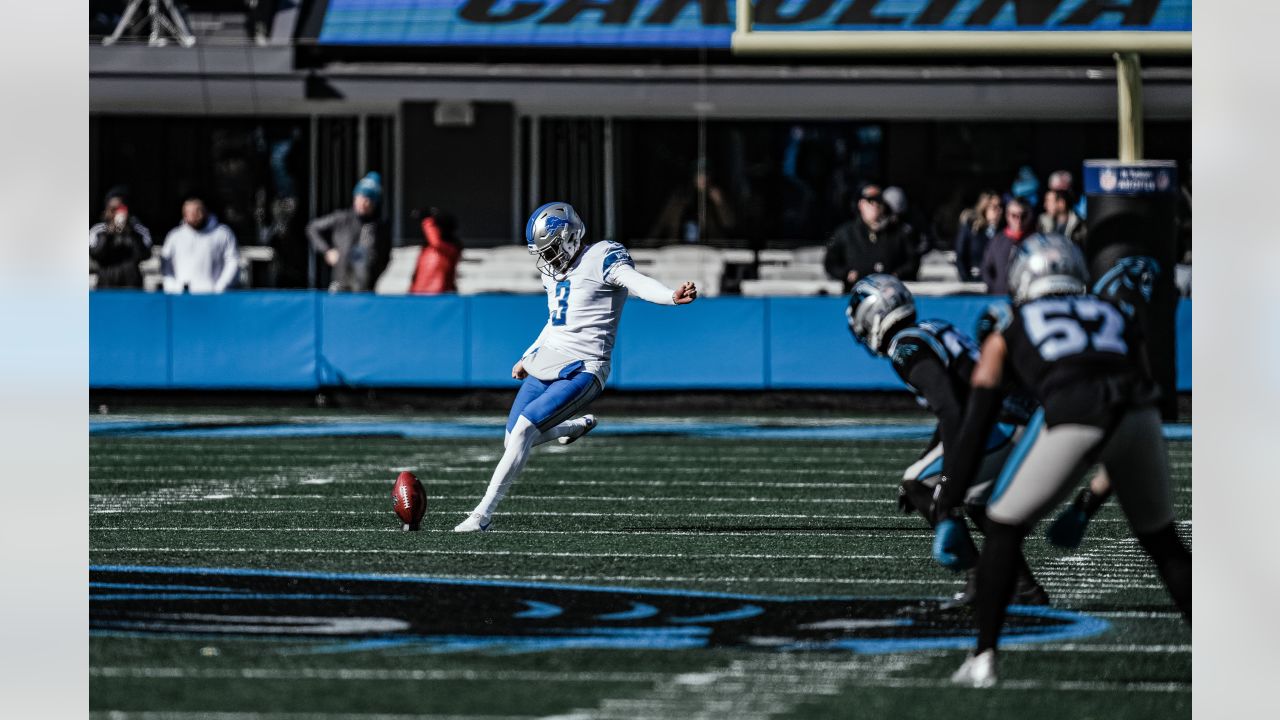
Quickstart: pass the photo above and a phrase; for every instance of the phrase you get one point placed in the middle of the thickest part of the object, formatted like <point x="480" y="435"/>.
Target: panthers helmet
<point x="1046" y="264"/>
<point x="994" y="317"/>
<point x="879" y="303"/>
<point x="554" y="233"/>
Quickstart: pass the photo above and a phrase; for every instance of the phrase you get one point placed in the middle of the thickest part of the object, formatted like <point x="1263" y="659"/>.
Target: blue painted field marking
<point x="539" y="610"/>
<point x="139" y="586"/>
<point x="240" y="595"/>
<point x="693" y="633"/>
<point x="638" y="611"/>
<point x="742" y="613"/>
<point x="429" y="429"/>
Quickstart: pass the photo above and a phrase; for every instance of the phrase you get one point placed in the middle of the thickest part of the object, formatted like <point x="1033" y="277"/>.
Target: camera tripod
<point x="162" y="14"/>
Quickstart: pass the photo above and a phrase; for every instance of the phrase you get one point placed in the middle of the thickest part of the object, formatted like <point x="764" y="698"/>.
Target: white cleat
<point x="475" y="522"/>
<point x="591" y="425"/>
<point x="978" y="671"/>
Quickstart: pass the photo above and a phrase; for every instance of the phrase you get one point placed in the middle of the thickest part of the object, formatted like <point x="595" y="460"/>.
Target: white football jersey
<point x="585" y="307"/>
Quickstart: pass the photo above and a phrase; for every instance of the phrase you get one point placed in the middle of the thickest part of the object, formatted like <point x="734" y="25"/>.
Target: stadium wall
<point x="283" y="340"/>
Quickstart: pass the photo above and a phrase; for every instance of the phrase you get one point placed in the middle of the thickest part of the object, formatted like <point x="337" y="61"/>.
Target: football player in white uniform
<point x="567" y="365"/>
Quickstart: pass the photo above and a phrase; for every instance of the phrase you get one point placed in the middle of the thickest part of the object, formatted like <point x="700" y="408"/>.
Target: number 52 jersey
<point x="1081" y="357"/>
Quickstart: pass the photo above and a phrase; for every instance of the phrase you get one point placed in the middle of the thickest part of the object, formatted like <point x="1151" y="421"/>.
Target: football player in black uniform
<point x="1128" y="284"/>
<point x="935" y="361"/>
<point x="1083" y="360"/>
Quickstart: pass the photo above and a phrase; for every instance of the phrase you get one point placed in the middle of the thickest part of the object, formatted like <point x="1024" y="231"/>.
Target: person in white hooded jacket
<point x="200" y="255"/>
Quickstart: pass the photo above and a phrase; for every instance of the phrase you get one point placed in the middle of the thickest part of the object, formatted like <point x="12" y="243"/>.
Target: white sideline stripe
<point x="167" y="673"/>
<point x="1094" y="648"/>
<point x="1088" y="686"/>
<point x="365" y="675"/>
<point x="201" y="495"/>
<point x="197" y="715"/>
<point x="574" y="578"/>
<point x="534" y="553"/>
<point x="887" y="484"/>
<point x="708" y="533"/>
<point x="1138" y="614"/>
<point x="211" y="511"/>
<point x="554" y="513"/>
<point x="700" y="469"/>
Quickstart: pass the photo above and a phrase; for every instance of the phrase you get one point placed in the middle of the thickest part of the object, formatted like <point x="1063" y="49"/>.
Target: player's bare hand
<point x="518" y="372"/>
<point x="685" y="294"/>
<point x="332" y="256"/>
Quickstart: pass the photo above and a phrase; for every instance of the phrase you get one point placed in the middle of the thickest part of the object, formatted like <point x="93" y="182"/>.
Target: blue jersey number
<point x="561" y="313"/>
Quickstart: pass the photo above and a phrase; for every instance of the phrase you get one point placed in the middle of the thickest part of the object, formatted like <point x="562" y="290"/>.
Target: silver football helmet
<point x="554" y="233"/>
<point x="879" y="303"/>
<point x="1046" y="264"/>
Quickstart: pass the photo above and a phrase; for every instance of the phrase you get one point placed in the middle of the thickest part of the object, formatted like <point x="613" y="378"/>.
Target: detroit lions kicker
<point x="567" y="365"/>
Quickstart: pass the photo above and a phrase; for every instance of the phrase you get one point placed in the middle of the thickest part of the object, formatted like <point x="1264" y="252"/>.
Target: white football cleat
<point x="978" y="671"/>
<point x="591" y="425"/>
<point x="475" y="522"/>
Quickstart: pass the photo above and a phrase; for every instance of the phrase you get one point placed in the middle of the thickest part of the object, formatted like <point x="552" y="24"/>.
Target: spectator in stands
<point x="1026" y="186"/>
<point x="437" y="270"/>
<point x="873" y="242"/>
<point x="1063" y="180"/>
<point x="995" y="260"/>
<point x="681" y="218"/>
<point x="200" y="255"/>
<point x="978" y="225"/>
<point x="261" y="15"/>
<point x="118" y="243"/>
<point x="1060" y="218"/>
<point x="354" y="241"/>
<point x="895" y="198"/>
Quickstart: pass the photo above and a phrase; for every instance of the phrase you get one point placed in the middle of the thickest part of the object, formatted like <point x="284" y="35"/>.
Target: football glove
<point x="953" y="545"/>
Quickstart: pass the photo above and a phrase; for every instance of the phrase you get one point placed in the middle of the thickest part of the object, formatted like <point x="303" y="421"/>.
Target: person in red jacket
<point x="437" y="270"/>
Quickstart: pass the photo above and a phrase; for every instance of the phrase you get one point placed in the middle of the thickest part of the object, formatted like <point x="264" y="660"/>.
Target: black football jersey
<point x="1079" y="355"/>
<point x="934" y="341"/>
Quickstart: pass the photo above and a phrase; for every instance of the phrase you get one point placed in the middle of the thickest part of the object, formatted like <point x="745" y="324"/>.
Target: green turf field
<point x="729" y="515"/>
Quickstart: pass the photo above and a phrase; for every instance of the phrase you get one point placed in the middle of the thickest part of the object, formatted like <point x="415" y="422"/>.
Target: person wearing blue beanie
<point x="354" y="241"/>
<point x="370" y="186"/>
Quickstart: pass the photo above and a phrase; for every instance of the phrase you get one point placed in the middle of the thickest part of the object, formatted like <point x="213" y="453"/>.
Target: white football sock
<point x="564" y="429"/>
<point x="519" y="443"/>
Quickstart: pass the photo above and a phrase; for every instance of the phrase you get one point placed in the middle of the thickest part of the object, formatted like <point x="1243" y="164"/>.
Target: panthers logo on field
<point x="358" y="612"/>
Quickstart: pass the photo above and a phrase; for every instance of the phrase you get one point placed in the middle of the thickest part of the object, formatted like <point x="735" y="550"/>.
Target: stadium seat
<point x="936" y="288"/>
<point x="398" y="276"/>
<point x="757" y="288"/>
<point x="777" y="257"/>
<point x="939" y="266"/>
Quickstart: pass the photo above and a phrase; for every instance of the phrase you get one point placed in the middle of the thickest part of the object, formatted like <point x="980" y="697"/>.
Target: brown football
<point x="409" y="500"/>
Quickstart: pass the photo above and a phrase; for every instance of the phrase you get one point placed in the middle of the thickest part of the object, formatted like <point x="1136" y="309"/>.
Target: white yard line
<point x="534" y="553"/>
<point x="536" y="498"/>
<point x="197" y="715"/>
<point x="376" y="674"/>
<point x="708" y="533"/>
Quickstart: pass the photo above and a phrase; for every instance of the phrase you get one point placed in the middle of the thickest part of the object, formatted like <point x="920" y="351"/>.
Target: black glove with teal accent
<point x="953" y="546"/>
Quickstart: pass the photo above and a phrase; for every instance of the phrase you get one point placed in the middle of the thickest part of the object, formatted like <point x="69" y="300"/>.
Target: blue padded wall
<point x="502" y="328"/>
<point x="393" y="341"/>
<point x="302" y="340"/>
<point x="249" y="340"/>
<point x="128" y="339"/>
<point x="715" y="344"/>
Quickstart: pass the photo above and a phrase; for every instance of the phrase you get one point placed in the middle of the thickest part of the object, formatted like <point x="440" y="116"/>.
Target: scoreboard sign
<point x="709" y="23"/>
